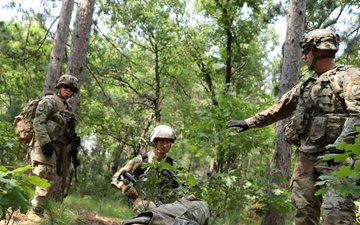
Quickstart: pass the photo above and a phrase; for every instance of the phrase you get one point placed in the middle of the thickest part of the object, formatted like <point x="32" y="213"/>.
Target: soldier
<point x="190" y="211"/>
<point x="325" y="110"/>
<point x="162" y="137"/>
<point x="51" y="135"/>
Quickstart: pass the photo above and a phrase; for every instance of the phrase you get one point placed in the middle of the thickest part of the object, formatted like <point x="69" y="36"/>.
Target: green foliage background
<point x="154" y="62"/>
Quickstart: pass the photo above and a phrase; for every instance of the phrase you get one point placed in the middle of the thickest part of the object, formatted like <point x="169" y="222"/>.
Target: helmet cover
<point x="163" y="131"/>
<point x="322" y="39"/>
<point x="69" y="80"/>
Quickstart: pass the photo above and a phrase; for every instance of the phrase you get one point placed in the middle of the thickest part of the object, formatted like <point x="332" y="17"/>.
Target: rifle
<point x="127" y="177"/>
<point x="177" y="184"/>
<point x="74" y="142"/>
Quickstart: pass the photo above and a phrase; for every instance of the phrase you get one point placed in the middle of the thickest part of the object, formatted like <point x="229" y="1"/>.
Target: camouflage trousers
<point x="190" y="210"/>
<point x="337" y="210"/>
<point x="44" y="171"/>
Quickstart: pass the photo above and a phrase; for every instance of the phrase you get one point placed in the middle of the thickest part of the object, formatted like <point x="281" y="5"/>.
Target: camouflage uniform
<point x="164" y="209"/>
<point x="191" y="210"/>
<point x="50" y="125"/>
<point x="134" y="168"/>
<point x="326" y="113"/>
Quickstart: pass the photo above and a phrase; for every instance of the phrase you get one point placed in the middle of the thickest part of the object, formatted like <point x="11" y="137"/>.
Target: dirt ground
<point x="86" y="218"/>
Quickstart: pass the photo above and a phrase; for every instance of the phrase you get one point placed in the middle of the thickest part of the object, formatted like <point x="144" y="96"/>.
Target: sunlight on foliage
<point x="17" y="188"/>
<point x="350" y="172"/>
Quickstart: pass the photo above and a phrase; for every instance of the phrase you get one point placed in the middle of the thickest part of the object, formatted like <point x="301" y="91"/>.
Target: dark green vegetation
<point x="150" y="63"/>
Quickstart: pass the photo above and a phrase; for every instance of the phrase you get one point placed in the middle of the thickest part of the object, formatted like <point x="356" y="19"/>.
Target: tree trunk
<point x="54" y="70"/>
<point x="76" y="64"/>
<point x="58" y="50"/>
<point x="80" y="42"/>
<point x="281" y="160"/>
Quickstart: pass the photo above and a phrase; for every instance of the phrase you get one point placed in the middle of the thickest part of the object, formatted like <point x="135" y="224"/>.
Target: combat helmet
<point x="69" y="80"/>
<point x="322" y="39"/>
<point x="163" y="131"/>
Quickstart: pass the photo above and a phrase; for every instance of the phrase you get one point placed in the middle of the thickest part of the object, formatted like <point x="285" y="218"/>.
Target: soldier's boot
<point x="34" y="215"/>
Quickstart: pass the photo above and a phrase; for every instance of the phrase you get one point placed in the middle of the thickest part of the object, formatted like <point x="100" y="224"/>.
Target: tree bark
<point x="54" y="71"/>
<point x="281" y="160"/>
<point x="58" y="50"/>
<point x="76" y="65"/>
<point x="79" y="45"/>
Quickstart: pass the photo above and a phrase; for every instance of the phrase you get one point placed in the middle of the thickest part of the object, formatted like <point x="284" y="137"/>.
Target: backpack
<point x="23" y="122"/>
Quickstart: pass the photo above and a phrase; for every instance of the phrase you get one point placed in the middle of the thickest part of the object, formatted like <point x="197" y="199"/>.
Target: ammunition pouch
<point x="325" y="129"/>
<point x="291" y="134"/>
<point x="296" y="125"/>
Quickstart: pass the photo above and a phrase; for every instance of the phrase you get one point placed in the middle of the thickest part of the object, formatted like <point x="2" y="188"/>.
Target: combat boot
<point x="34" y="216"/>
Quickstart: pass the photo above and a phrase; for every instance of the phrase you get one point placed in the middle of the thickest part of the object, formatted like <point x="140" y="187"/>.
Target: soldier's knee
<point x="43" y="171"/>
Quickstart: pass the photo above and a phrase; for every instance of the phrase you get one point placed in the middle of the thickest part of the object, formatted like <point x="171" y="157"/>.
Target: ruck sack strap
<point x="145" y="159"/>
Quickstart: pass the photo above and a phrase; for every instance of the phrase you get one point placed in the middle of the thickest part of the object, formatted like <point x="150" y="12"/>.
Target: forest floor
<point x="84" y="218"/>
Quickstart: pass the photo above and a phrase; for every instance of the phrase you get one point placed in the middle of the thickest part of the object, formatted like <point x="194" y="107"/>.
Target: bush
<point x="16" y="189"/>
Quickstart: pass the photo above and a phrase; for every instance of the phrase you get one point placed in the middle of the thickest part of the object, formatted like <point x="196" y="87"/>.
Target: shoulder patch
<point x="41" y="105"/>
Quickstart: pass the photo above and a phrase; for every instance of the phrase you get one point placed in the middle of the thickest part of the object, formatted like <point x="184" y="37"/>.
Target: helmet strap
<point x="314" y="58"/>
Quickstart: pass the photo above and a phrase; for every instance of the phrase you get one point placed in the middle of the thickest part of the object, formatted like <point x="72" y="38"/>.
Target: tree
<point x="75" y="67"/>
<point x="281" y="160"/>
<point x="59" y="46"/>
<point x="80" y="42"/>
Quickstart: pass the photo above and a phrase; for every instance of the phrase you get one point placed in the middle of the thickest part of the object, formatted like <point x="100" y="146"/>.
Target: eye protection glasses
<point x="306" y="50"/>
<point x="72" y="89"/>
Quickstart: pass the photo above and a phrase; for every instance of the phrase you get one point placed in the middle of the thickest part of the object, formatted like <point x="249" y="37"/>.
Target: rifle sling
<point x="69" y="184"/>
<point x="64" y="167"/>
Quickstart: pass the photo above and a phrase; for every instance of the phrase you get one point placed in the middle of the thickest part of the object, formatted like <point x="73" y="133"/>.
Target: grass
<point x="77" y="210"/>
<point x="108" y="207"/>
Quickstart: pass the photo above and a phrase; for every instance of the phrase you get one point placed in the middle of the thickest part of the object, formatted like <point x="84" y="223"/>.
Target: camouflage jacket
<point x="50" y="124"/>
<point x="325" y="109"/>
<point x="134" y="168"/>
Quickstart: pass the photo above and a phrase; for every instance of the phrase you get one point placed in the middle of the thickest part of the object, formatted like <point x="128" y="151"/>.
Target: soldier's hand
<point x="129" y="191"/>
<point x="238" y="123"/>
<point x="334" y="150"/>
<point x="48" y="149"/>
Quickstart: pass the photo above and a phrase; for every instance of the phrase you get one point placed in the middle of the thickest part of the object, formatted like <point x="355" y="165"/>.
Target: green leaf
<point x="4" y="180"/>
<point x="344" y="171"/>
<point x="337" y="157"/>
<point x="37" y="181"/>
<point x="2" y="168"/>
<point x="22" y="169"/>
<point x="18" y="200"/>
<point x="347" y="188"/>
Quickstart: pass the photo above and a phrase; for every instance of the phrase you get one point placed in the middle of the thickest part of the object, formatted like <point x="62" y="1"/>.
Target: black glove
<point x="48" y="149"/>
<point x="238" y="123"/>
<point x="334" y="150"/>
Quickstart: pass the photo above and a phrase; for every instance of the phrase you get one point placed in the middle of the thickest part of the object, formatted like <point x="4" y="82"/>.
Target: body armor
<point x="320" y="112"/>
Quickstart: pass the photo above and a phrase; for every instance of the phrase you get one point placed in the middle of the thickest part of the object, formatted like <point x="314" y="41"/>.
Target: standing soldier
<point x="325" y="110"/>
<point x="52" y="123"/>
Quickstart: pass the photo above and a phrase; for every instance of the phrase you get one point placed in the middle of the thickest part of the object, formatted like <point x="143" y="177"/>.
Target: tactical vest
<point x="56" y="124"/>
<point x="321" y="111"/>
<point x="144" y="159"/>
